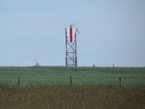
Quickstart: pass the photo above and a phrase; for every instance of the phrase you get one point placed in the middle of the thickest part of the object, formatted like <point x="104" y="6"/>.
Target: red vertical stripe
<point x="70" y="34"/>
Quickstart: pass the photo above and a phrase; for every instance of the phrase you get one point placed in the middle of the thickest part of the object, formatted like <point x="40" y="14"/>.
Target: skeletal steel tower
<point x="71" y="46"/>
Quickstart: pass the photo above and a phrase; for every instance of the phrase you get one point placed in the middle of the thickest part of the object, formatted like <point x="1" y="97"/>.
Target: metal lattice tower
<point x="71" y="46"/>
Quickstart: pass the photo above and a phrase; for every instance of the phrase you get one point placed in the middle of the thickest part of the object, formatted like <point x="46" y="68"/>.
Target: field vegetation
<point x="80" y="75"/>
<point x="71" y="97"/>
<point x="92" y="88"/>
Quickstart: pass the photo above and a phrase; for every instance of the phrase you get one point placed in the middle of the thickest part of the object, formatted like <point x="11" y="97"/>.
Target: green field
<point x="80" y="75"/>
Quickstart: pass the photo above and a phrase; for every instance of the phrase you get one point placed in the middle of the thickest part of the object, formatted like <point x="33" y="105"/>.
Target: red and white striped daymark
<point x="71" y="34"/>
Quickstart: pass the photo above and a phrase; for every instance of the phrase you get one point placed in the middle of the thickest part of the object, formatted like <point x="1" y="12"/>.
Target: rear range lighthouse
<point x="71" y="46"/>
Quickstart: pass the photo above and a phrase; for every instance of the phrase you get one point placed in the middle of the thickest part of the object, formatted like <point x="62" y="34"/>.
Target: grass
<point x="92" y="88"/>
<point x="71" y="97"/>
<point x="80" y="75"/>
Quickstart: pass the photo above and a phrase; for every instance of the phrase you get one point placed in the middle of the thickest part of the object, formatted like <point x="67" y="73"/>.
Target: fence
<point x="80" y="75"/>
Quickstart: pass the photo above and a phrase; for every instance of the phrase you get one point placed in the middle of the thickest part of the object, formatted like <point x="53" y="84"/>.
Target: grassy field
<point x="80" y="75"/>
<point x="92" y="88"/>
<point x="71" y="97"/>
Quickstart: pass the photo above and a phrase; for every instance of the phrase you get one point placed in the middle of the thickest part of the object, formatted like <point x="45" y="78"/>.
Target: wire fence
<point x="80" y="75"/>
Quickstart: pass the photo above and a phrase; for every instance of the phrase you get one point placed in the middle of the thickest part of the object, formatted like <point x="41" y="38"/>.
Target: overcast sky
<point x="111" y="32"/>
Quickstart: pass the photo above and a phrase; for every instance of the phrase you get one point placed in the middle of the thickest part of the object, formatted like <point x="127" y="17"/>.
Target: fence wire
<point x="80" y="75"/>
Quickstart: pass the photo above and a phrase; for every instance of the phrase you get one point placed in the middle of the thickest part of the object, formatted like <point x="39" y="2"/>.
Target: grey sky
<point x="111" y="32"/>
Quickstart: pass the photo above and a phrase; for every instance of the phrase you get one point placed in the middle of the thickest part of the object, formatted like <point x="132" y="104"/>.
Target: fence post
<point x="70" y="80"/>
<point x="120" y="82"/>
<point x="18" y="81"/>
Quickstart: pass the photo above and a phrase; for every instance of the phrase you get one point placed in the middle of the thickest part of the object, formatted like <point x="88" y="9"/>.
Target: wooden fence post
<point x="18" y="81"/>
<point x="70" y="80"/>
<point x="120" y="82"/>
